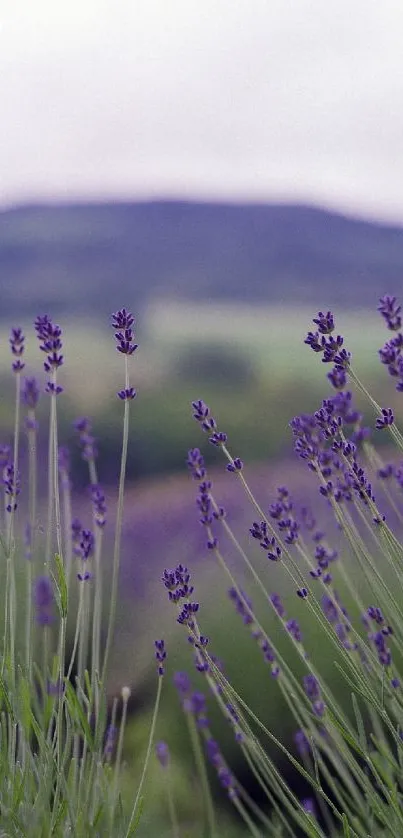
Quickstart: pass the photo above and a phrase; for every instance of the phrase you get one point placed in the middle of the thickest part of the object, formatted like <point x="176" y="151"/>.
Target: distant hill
<point x="81" y="259"/>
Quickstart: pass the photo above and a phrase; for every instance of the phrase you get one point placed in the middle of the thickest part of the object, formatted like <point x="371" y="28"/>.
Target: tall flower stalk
<point x="122" y="322"/>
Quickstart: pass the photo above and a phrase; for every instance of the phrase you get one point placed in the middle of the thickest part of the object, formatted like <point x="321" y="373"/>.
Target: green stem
<point x="118" y="529"/>
<point x="129" y="830"/>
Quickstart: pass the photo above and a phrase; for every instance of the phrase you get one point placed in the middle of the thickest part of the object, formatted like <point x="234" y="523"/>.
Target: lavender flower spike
<point x="160" y="655"/>
<point x="43" y="597"/>
<point x="123" y="321"/>
<point x="17" y="341"/>
<point x="391" y="312"/>
<point x="162" y="754"/>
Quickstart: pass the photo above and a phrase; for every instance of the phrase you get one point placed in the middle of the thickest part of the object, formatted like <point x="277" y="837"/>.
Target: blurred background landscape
<point x="224" y="172"/>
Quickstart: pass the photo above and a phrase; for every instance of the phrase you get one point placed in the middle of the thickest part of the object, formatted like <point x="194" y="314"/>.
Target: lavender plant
<point x="60" y="744"/>
<point x="348" y="743"/>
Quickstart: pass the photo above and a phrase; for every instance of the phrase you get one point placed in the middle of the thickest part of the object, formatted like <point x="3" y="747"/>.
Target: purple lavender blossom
<point x="294" y="630"/>
<point x="302" y="743"/>
<point x="324" y="322"/>
<point x="49" y="335"/>
<point x="243" y="606"/>
<point x="160" y="655"/>
<point x="390" y="311"/>
<point x="182" y="683"/>
<point x="236" y="465"/>
<point x="110" y="740"/>
<point x="128" y="394"/>
<point x="83" y="547"/>
<point x="207" y="509"/>
<point x="162" y="754"/>
<point x="123" y="321"/>
<point x="308" y="805"/>
<point x="5" y="454"/>
<point x="30" y="394"/>
<point x="11" y="482"/>
<point x="331" y="347"/>
<point x="391" y="353"/>
<point x="76" y="528"/>
<point x="277" y="604"/>
<point x="195" y="463"/>
<point x="17" y="341"/>
<point x="281" y="512"/>
<point x="177" y="583"/>
<point x="224" y="775"/>
<point x="378" y="637"/>
<point x="63" y="459"/>
<point x="98" y="506"/>
<point x="83" y="426"/>
<point x="267" y="542"/>
<point x="312" y="690"/>
<point x="386" y="419"/>
<point x="55" y="688"/>
<point x="201" y="412"/>
<point x="44" y="600"/>
<point x="87" y="543"/>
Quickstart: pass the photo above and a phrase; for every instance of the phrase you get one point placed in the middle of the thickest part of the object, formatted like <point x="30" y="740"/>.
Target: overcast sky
<point x="221" y="99"/>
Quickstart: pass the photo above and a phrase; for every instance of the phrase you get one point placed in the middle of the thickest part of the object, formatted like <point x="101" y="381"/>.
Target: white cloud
<point x="256" y="99"/>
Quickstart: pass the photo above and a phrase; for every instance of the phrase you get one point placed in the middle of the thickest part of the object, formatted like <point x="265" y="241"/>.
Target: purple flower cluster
<point x="377" y="632"/>
<point x="322" y="340"/>
<point x="267" y="542"/>
<point x="208" y="511"/>
<point x="123" y="321"/>
<point x="12" y="486"/>
<point x="63" y="462"/>
<point x="30" y="393"/>
<point x="194" y="702"/>
<point x="291" y="625"/>
<point x="391" y="470"/>
<point x="337" y="615"/>
<point x="312" y="690"/>
<point x="320" y="439"/>
<point x="391" y="353"/>
<point x="44" y="600"/>
<point x="244" y="608"/>
<point x="386" y="419"/>
<point x="177" y="583"/>
<point x="98" y="506"/>
<point x="83" y="426"/>
<point x="17" y="341"/>
<point x="302" y="743"/>
<point x="162" y="754"/>
<point x="50" y="342"/>
<point x="30" y="398"/>
<point x="83" y="547"/>
<point x="281" y="512"/>
<point x="201" y="412"/>
<point x="110" y="740"/>
<point x="391" y="312"/>
<point x="160" y="655"/>
<point x="225" y="777"/>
